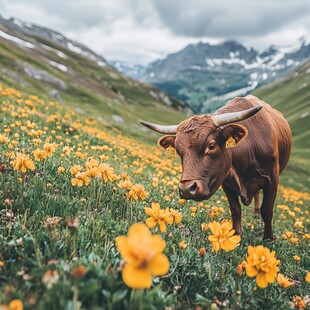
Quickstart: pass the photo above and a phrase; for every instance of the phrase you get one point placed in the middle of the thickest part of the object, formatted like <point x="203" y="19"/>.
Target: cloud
<point x="68" y="14"/>
<point x="141" y="31"/>
<point x="222" y="18"/>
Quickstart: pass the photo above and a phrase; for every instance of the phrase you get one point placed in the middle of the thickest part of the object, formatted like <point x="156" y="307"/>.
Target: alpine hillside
<point x="42" y="61"/>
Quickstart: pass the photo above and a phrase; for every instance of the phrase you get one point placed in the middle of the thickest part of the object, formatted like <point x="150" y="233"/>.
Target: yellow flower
<point x="193" y="209"/>
<point x="204" y="226"/>
<point x="284" y="236"/>
<point x="137" y="191"/>
<point x="49" y="148"/>
<point x="289" y="234"/>
<point x="125" y="176"/>
<point x="104" y="157"/>
<point x="177" y="216"/>
<point x="15" y="304"/>
<point x="158" y="216"/>
<point x="296" y="258"/>
<point x="308" y="277"/>
<point x="75" y="169"/>
<point x="107" y="172"/>
<point x="299" y="224"/>
<point x="125" y="184"/>
<point x="80" y="155"/>
<point x="294" y="240"/>
<point x="39" y="154"/>
<point x="80" y="179"/>
<point x="298" y="302"/>
<point x="223" y="236"/>
<point x="22" y="162"/>
<point x="93" y="172"/>
<point x="1" y="263"/>
<point x="284" y="281"/>
<point x="4" y="139"/>
<point x="61" y="169"/>
<point x="155" y="182"/>
<point x="182" y="245"/>
<point x="66" y="150"/>
<point x="91" y="163"/>
<point x="142" y="253"/>
<point x="262" y="264"/>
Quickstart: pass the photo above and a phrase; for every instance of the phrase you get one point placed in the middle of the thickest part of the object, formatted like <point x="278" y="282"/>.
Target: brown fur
<point x="263" y="148"/>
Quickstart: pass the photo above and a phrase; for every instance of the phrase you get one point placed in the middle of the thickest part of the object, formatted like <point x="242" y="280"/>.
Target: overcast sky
<point x="141" y="31"/>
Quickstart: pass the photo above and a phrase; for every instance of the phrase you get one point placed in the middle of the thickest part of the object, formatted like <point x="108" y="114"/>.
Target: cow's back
<point x="268" y="131"/>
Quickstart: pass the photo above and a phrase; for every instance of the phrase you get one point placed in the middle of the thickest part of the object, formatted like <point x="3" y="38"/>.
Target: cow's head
<point x="201" y="143"/>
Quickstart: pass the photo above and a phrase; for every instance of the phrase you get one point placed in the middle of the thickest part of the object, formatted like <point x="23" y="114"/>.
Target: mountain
<point x="42" y="61"/>
<point x="206" y="75"/>
<point x="29" y="29"/>
<point x="291" y="96"/>
<point x="131" y="70"/>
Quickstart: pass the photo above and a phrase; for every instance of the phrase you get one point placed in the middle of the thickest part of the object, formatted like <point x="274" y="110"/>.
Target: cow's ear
<point x="166" y="141"/>
<point x="238" y="132"/>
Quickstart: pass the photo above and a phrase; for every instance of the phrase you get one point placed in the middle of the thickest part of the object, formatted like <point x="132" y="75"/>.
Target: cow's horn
<point x="227" y="118"/>
<point x="159" y="128"/>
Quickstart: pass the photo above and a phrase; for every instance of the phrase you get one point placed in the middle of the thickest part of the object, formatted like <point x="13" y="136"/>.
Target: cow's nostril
<point x="193" y="188"/>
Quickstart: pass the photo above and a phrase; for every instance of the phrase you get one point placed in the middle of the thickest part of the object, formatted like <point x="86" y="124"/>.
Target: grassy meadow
<point x="73" y="188"/>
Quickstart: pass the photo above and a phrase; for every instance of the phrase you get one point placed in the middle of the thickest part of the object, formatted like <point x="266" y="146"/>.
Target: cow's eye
<point x="211" y="146"/>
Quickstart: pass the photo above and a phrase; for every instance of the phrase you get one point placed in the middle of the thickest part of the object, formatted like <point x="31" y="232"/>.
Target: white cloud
<point x="140" y="31"/>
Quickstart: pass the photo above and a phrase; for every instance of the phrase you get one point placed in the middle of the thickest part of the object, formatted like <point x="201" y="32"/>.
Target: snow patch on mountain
<point x="16" y="40"/>
<point x="58" y="66"/>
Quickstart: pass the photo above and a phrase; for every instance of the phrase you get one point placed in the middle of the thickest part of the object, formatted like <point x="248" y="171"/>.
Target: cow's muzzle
<point x="193" y="189"/>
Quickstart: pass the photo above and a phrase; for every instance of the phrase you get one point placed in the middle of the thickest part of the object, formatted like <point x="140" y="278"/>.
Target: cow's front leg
<point x="235" y="209"/>
<point x="257" y="204"/>
<point x="270" y="192"/>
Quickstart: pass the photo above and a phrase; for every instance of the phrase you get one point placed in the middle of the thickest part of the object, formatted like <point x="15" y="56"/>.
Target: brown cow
<point x="244" y="154"/>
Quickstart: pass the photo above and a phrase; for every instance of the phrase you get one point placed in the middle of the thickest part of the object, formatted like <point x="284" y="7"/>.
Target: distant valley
<point x="206" y="76"/>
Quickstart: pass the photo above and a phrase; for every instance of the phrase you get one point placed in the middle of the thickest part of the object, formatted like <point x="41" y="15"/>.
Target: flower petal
<point x="155" y="207"/>
<point x="271" y="275"/>
<point x="121" y="243"/>
<point x="251" y="271"/>
<point x="138" y="229"/>
<point x="215" y="246"/>
<point x="215" y="228"/>
<point x="228" y="245"/>
<point x="158" y="244"/>
<point x="213" y="238"/>
<point x="149" y="211"/>
<point x="162" y="226"/>
<point x="151" y="222"/>
<point x="261" y="280"/>
<point x="159" y="265"/>
<point x="138" y="278"/>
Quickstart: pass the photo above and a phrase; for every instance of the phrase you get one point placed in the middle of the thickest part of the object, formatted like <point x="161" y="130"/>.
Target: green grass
<point x="291" y="96"/>
<point x="30" y="249"/>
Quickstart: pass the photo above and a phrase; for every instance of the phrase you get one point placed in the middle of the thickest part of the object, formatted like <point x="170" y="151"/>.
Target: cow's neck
<point x="244" y="185"/>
